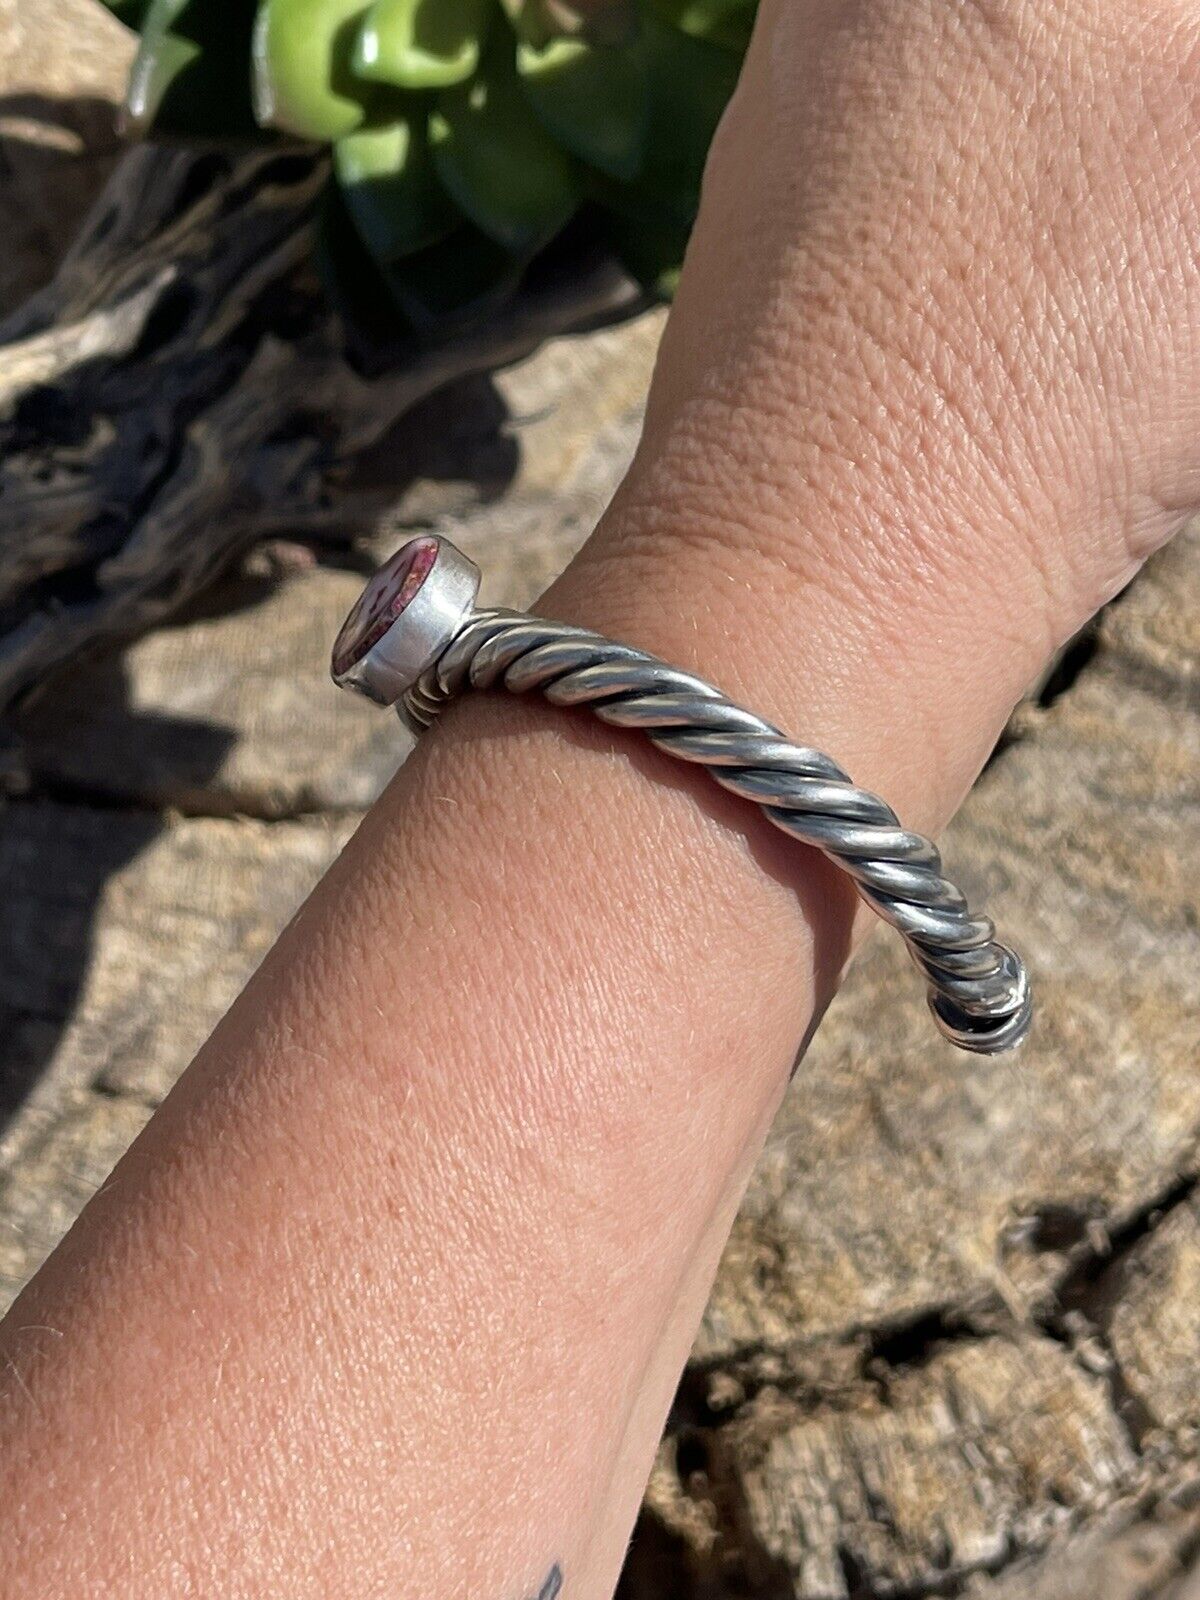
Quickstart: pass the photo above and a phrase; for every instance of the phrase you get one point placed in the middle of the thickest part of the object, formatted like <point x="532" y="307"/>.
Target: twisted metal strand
<point x="978" y="989"/>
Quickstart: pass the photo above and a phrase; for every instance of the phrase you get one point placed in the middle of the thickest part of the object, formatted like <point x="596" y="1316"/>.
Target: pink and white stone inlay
<point x="390" y="592"/>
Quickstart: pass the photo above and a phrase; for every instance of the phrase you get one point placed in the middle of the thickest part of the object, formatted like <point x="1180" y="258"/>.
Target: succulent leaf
<point x="302" y="78"/>
<point x="651" y="247"/>
<point x="390" y="189"/>
<point x="421" y="44"/>
<point x="539" y="22"/>
<point x="453" y="281"/>
<point x="727" y="23"/>
<point x="690" y="86"/>
<point x="648" y="221"/>
<point x="354" y="283"/>
<point x="595" y="99"/>
<point x="431" y="292"/>
<point x="496" y="160"/>
<point x="131" y="12"/>
<point x="191" y="74"/>
<point x="466" y="134"/>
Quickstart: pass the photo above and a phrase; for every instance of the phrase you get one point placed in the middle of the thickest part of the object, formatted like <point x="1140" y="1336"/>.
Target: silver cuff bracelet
<point x="415" y="640"/>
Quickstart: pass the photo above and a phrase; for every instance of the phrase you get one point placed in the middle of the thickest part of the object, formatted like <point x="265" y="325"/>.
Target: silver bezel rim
<point x="436" y="613"/>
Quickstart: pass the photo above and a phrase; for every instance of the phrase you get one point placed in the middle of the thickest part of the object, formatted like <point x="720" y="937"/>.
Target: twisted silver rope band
<point x="978" y="989"/>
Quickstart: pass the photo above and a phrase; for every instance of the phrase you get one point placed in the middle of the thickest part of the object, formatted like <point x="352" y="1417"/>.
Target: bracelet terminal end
<point x="408" y="614"/>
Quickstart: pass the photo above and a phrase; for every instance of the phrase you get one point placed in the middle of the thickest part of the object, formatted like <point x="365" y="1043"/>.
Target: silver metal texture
<point x="978" y="988"/>
<point x="407" y="615"/>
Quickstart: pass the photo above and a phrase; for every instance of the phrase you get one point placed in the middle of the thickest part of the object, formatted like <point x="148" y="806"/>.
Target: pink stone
<point x="388" y="595"/>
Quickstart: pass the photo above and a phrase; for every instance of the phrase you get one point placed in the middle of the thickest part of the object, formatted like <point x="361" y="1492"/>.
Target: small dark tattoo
<point x="552" y="1587"/>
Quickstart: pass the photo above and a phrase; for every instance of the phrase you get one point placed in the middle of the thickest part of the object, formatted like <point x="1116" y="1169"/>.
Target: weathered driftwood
<point x="181" y="391"/>
<point x="955" y="1343"/>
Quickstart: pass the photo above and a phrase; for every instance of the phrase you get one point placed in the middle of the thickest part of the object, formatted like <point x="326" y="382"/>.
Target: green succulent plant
<point x="466" y="135"/>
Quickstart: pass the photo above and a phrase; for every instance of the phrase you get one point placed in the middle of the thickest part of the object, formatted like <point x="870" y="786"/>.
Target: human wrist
<point x="616" y="816"/>
<point x="910" y="427"/>
<point x="904" y="676"/>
